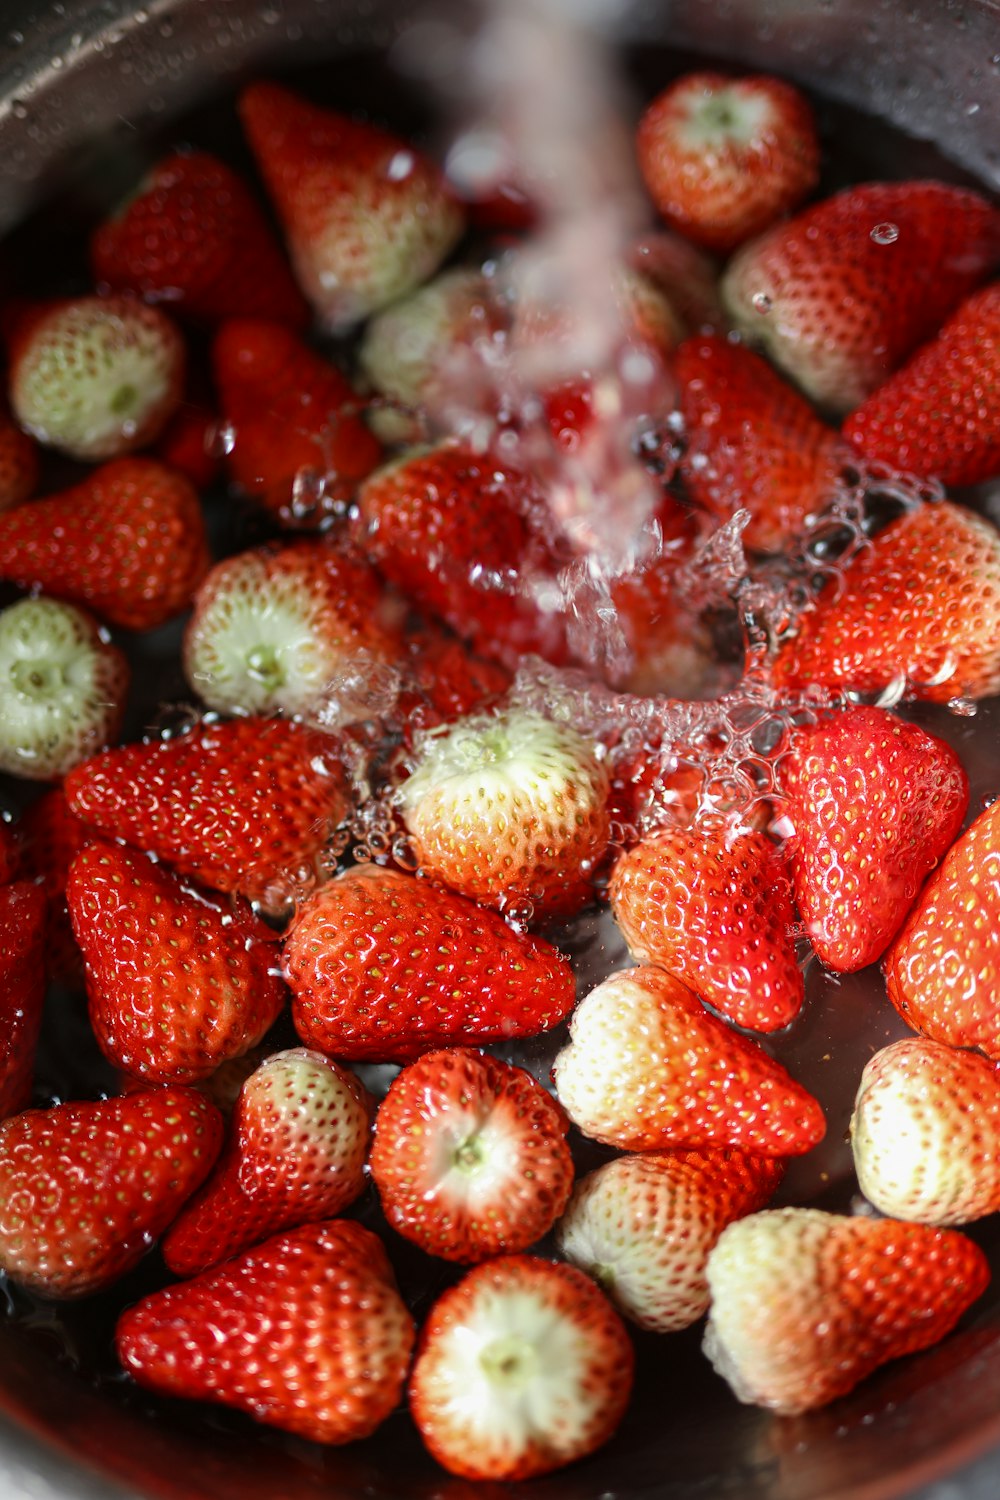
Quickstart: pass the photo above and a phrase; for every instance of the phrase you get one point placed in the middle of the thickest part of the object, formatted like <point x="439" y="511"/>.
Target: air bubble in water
<point x="885" y="234"/>
<point x="308" y="489"/>
<point x="220" y="440"/>
<point x="965" y="708"/>
<point x="761" y="303"/>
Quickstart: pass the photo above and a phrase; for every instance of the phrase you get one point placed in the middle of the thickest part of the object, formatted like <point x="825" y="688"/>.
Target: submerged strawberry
<point x="843" y="293"/>
<point x="18" y="463"/>
<point x="49" y="837"/>
<point x="75" y="1221"/>
<point x="918" y="607"/>
<point x="367" y="218"/>
<point x="306" y="1333"/>
<point x="177" y="983"/>
<point x="382" y="965"/>
<point x="95" y="377"/>
<point x="509" y="808"/>
<point x="243" y="806"/>
<point x="648" y="1067"/>
<point x="22" y="989"/>
<point x="128" y="542"/>
<point x="296" y="1153"/>
<point x="723" y="158"/>
<point x="522" y="1367"/>
<point x="470" y="1156"/>
<point x="923" y="1130"/>
<point x="192" y="236"/>
<point x="805" y="1304"/>
<point x="62" y="688"/>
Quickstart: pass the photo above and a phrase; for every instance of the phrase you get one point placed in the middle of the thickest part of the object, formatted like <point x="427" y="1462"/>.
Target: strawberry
<point x="296" y="1153"/>
<point x="128" y="542"/>
<point x="241" y="806"/>
<point x="22" y="989"/>
<point x="648" y="1067"/>
<point x="383" y="965"/>
<point x="875" y="803"/>
<point x="95" y="377"/>
<point x="367" y="218"/>
<point x="470" y="1156"/>
<point x="723" y="158"/>
<point x="753" y="443"/>
<point x="50" y="836"/>
<point x="177" y="984"/>
<point x="434" y="355"/>
<point x="940" y="413"/>
<point x="943" y="970"/>
<point x="299" y="445"/>
<point x="509" y="807"/>
<point x="62" y="688"/>
<point x="10" y="852"/>
<point x="806" y="1304"/>
<point x="307" y="1333"/>
<point x="521" y="1367"/>
<point x="918" y="608"/>
<point x="443" y="681"/>
<point x="643" y="1227"/>
<point x="192" y="236"/>
<point x="843" y="293"/>
<point x="18" y="463"/>
<point x="291" y="629"/>
<point x="715" y="909"/>
<point x="450" y="529"/>
<point x="190" y="442"/>
<point x="88" y="1187"/>
<point x="923" y="1131"/>
<point x="684" y="273"/>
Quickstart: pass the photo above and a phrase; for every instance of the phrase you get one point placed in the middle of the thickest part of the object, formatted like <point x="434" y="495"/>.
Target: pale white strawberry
<point x="434" y="355"/>
<point x="924" y="1131"/>
<point x="296" y="630"/>
<point x="509" y="808"/>
<point x="647" y="1066"/>
<point x="643" y="1227"/>
<point x="96" y="377"/>
<point x="522" y="1367"/>
<point x="470" y="1156"/>
<point x="805" y="1304"/>
<point x="62" y="688"/>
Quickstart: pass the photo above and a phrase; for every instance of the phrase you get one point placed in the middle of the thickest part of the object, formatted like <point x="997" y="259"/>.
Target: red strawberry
<point x="192" y="236"/>
<point x="723" y="158"/>
<point x="647" y="1067"/>
<point x="470" y="1156"/>
<point x="307" y="1333"/>
<point x="22" y="989"/>
<point x="383" y="965"/>
<point x="50" y="836"/>
<point x="75" y="1218"/>
<point x="522" y="1367"/>
<point x="367" y="218"/>
<point x="449" y="528"/>
<point x="842" y="294"/>
<point x="923" y="1133"/>
<point x="62" y="688"/>
<point x="918" y="608"/>
<point x="295" y="630"/>
<point x="806" y="1304"/>
<point x="95" y="377"/>
<point x="509" y="808"/>
<point x="241" y="806"/>
<point x="299" y="444"/>
<point x="715" y="909"/>
<point x="296" y="1153"/>
<point x="190" y="442"/>
<point x="943" y="970"/>
<point x="444" y="681"/>
<point x="10" y="852"/>
<point x="940" y="414"/>
<point x="128" y="542"/>
<point x="18" y="463"/>
<point x="753" y="443"/>
<point x="685" y="274"/>
<point x="875" y="803"/>
<point x="643" y="1227"/>
<point x="177" y="984"/>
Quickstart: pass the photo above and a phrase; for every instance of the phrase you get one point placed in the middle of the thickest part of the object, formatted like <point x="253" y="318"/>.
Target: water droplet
<point x="400" y="166"/>
<point x="220" y="440"/>
<point x="761" y="303"/>
<point x="308" y="488"/>
<point x="965" y="708"/>
<point x="885" y="234"/>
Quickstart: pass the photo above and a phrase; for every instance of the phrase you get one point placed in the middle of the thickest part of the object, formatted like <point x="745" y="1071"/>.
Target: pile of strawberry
<point x="243" y="966"/>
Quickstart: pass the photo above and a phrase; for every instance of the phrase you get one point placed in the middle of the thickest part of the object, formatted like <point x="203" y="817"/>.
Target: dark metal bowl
<point x="84" y="75"/>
